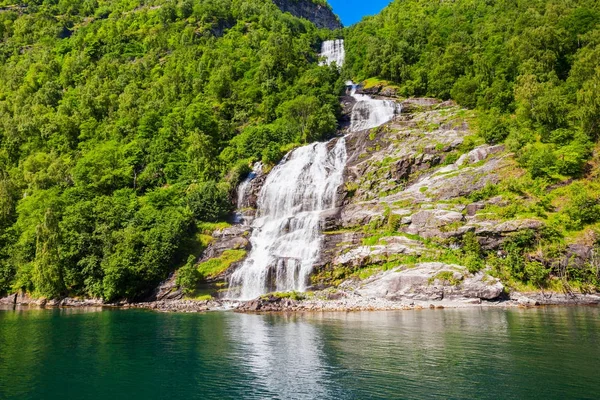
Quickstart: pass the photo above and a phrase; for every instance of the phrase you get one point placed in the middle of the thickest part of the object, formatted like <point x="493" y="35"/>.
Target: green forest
<point x="531" y="70"/>
<point x="530" y="66"/>
<point x="125" y="125"/>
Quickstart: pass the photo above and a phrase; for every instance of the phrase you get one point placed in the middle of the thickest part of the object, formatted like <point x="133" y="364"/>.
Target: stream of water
<point x="286" y="238"/>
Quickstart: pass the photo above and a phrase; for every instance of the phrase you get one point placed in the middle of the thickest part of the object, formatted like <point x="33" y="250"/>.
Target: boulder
<point x="427" y="223"/>
<point x="479" y="154"/>
<point x="474" y="207"/>
<point x="10" y="299"/>
<point x="432" y="281"/>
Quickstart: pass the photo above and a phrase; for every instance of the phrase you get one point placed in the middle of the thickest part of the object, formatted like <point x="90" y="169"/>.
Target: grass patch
<point x="216" y="266"/>
<point x="297" y="296"/>
<point x="207" y="228"/>
<point x="374" y="82"/>
<point x="446" y="277"/>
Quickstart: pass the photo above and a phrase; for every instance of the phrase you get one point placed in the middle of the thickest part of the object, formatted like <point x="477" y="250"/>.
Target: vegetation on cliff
<point x="531" y="67"/>
<point x="124" y="124"/>
<point x="531" y="70"/>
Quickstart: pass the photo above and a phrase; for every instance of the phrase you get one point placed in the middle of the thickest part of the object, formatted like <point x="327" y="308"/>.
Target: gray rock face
<point x="22" y="299"/>
<point x="232" y="238"/>
<point x="479" y="154"/>
<point x="319" y="15"/>
<point x="168" y="290"/>
<point x="423" y="222"/>
<point x="363" y="255"/>
<point x="9" y="300"/>
<point x="432" y="281"/>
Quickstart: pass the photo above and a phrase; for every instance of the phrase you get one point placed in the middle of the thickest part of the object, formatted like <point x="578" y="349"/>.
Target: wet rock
<point x="267" y="304"/>
<point x="330" y="219"/>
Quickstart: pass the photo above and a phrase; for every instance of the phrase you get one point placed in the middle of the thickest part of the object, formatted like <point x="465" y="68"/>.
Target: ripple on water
<point x="548" y="353"/>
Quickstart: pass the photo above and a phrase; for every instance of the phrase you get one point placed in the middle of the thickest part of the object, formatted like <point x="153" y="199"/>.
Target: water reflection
<point x="284" y="355"/>
<point x="551" y="353"/>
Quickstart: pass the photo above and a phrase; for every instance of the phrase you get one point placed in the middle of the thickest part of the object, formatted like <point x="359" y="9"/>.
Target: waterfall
<point x="286" y="240"/>
<point x="370" y="113"/>
<point x="333" y="51"/>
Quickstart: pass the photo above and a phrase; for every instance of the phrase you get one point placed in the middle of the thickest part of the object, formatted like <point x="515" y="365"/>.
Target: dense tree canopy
<point x="124" y="124"/>
<point x="537" y="60"/>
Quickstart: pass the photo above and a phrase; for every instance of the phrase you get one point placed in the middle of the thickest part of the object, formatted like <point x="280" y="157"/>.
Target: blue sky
<point x="352" y="11"/>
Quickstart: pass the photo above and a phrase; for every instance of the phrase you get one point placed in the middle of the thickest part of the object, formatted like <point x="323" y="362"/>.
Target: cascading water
<point x="286" y="240"/>
<point x="370" y="113"/>
<point x="334" y="52"/>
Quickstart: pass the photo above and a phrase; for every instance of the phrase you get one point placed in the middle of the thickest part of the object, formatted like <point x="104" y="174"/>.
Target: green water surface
<point x="548" y="353"/>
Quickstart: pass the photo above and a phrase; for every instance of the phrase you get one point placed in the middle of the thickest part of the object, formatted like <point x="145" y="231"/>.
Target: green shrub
<point x="493" y="126"/>
<point x="188" y="276"/>
<point x="488" y="191"/>
<point x="539" y="159"/>
<point x="583" y="206"/>
<point x="208" y="201"/>
<point x="536" y="273"/>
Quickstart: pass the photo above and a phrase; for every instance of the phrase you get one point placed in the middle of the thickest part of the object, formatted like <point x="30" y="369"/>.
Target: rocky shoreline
<point x="346" y="303"/>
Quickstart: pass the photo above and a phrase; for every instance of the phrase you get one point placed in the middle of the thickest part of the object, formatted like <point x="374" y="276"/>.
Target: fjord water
<point x="551" y="353"/>
<point x="286" y="238"/>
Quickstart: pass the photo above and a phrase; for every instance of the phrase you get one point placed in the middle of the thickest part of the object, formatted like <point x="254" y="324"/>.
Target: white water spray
<point x="287" y="236"/>
<point x="370" y="113"/>
<point x="286" y="241"/>
<point x="242" y="195"/>
<point x="333" y="51"/>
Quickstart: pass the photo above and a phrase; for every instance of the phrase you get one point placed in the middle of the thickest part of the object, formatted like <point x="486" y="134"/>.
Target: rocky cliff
<point x="417" y="213"/>
<point x="321" y="15"/>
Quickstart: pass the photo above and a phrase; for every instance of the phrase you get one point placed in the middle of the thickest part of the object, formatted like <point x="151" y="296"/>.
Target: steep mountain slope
<point x="124" y="127"/>
<point x="126" y="131"/>
<point x="318" y="12"/>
